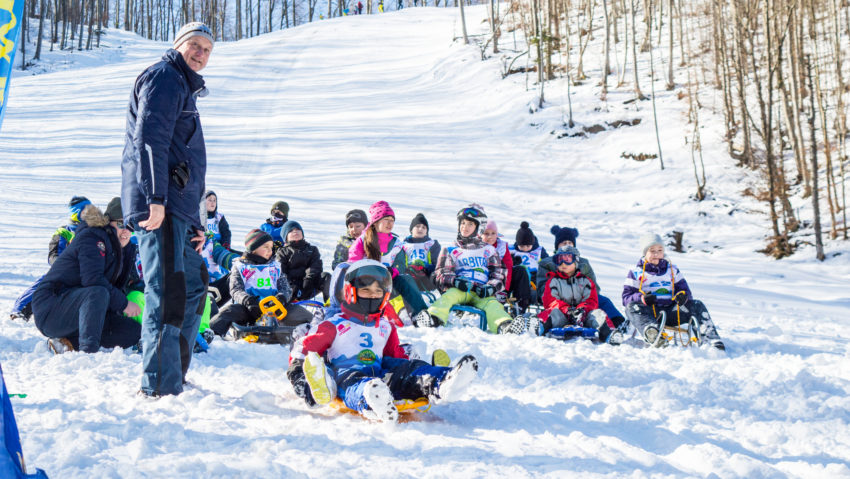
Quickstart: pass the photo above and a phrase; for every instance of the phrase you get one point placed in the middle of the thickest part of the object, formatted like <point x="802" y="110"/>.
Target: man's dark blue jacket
<point x="163" y="133"/>
<point x="94" y="258"/>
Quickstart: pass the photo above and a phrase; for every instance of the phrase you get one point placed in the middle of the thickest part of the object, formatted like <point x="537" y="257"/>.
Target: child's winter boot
<point x="380" y="400"/>
<point x="456" y="381"/>
<point x="322" y="385"/>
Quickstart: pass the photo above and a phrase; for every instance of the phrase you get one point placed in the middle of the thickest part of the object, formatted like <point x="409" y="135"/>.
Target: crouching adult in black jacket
<point x="300" y="261"/>
<point x="80" y="301"/>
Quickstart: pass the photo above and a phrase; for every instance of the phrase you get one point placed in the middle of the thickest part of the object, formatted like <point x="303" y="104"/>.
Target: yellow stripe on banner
<point x="2" y="90"/>
<point x="8" y="45"/>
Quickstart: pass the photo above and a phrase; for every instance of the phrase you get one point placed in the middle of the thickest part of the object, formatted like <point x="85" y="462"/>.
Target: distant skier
<point x="360" y="8"/>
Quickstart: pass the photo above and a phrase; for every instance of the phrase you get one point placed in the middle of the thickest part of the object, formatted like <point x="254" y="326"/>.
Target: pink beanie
<point x="491" y="225"/>
<point x="379" y="210"/>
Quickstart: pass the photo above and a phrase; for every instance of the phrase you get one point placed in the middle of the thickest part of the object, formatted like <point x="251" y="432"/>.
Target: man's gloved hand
<point x="462" y="284"/>
<point x="681" y="298"/>
<point x="649" y="299"/>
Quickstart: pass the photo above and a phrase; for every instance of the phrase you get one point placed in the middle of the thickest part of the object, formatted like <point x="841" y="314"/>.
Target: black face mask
<point x="370" y="305"/>
<point x="297" y="244"/>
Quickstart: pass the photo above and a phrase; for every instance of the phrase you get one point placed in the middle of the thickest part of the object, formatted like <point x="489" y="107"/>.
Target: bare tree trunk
<point x="652" y="88"/>
<point x="82" y="24"/>
<point x="638" y="94"/>
<point x="42" y="13"/>
<point x="24" y="24"/>
<point x="814" y="157"/>
<point x="606" y="65"/>
<point x="238" y="25"/>
<point x="670" y="83"/>
<point x="463" y="23"/>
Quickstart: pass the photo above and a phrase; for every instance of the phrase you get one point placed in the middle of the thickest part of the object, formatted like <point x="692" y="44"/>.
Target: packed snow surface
<point x="340" y="113"/>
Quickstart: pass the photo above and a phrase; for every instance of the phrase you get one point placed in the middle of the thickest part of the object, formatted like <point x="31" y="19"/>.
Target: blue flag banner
<point x="11" y="12"/>
<point x="11" y="457"/>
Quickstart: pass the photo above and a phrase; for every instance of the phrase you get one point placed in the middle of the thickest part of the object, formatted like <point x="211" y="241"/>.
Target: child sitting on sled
<point x="656" y="286"/>
<point x="366" y="367"/>
<point x="254" y="276"/>
<point x="517" y="282"/>
<point x="528" y="253"/>
<point x="421" y="253"/>
<point x="470" y="272"/>
<point x="570" y="298"/>
<point x="568" y="237"/>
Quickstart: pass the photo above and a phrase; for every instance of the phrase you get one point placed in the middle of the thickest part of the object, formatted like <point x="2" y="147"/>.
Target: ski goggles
<point x="471" y="212"/>
<point x="564" y="258"/>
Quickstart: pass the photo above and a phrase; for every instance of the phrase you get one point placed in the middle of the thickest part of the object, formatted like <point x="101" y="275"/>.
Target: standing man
<point x="163" y="169"/>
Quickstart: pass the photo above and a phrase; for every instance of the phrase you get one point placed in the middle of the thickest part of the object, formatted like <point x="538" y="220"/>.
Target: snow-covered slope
<point x="337" y="114"/>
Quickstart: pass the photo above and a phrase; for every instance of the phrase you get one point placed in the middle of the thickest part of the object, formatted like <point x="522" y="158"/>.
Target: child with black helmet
<point x="470" y="272"/>
<point x="366" y="367"/>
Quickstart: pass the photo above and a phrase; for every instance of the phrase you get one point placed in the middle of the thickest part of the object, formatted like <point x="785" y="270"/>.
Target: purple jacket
<point x="662" y="280"/>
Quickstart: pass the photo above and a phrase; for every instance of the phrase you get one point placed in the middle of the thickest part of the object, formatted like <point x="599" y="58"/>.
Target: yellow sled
<point x="406" y="408"/>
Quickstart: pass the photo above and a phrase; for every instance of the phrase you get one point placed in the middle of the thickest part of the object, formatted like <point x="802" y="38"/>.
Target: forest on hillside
<point x="778" y="65"/>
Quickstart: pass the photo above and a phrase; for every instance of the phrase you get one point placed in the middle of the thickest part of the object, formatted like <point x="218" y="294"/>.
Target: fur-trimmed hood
<point x="94" y="217"/>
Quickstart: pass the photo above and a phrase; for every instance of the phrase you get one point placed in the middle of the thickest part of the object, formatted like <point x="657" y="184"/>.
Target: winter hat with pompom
<point x="76" y="205"/>
<point x="564" y="234"/>
<point x="524" y="235"/>
<point x="256" y="238"/>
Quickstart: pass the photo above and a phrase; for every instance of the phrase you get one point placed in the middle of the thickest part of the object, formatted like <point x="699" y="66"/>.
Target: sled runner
<point x="692" y="333"/>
